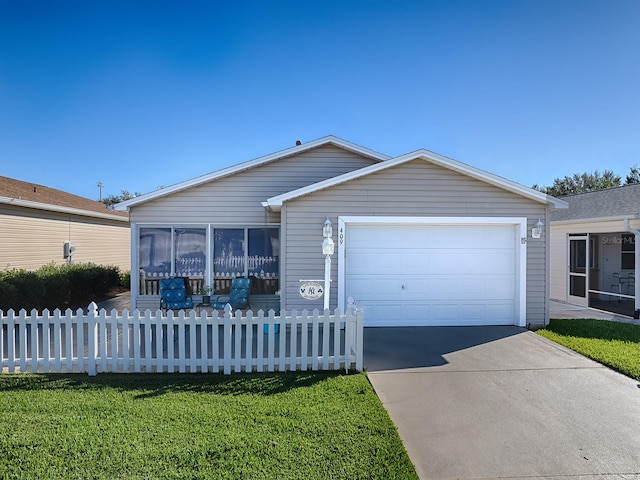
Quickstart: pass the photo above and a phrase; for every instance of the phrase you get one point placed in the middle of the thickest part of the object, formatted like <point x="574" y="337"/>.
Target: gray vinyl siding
<point x="412" y="189"/>
<point x="237" y="199"/>
<point x="31" y="238"/>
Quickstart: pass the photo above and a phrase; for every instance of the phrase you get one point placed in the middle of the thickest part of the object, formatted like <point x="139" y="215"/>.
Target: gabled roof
<point x="31" y="195"/>
<point x="275" y="203"/>
<point x="612" y="203"/>
<point x="328" y="140"/>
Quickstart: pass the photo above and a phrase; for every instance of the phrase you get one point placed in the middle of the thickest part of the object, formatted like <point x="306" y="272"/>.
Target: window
<point x="190" y="246"/>
<point x="165" y="252"/>
<point x="237" y="252"/>
<point x="259" y="260"/>
<point x="628" y="251"/>
<point x="155" y="251"/>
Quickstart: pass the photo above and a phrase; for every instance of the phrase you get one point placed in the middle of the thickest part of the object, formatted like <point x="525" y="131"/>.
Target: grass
<point x="258" y="426"/>
<point x="614" y="344"/>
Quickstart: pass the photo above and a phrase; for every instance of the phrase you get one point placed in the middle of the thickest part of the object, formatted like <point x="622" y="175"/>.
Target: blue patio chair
<point x="238" y="296"/>
<point x="173" y="294"/>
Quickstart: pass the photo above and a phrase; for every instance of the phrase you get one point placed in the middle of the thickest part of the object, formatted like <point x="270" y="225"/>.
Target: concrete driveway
<point x="502" y="402"/>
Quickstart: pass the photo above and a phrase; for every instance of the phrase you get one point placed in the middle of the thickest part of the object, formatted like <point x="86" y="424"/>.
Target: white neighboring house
<point x="421" y="239"/>
<point x="594" y="252"/>
<point x="36" y="222"/>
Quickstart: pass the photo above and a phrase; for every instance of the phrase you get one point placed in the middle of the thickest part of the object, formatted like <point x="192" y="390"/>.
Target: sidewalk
<point x="119" y="302"/>
<point x="564" y="310"/>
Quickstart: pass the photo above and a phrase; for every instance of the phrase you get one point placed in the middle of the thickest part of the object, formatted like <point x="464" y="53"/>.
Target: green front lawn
<point x="259" y="426"/>
<point x="614" y="344"/>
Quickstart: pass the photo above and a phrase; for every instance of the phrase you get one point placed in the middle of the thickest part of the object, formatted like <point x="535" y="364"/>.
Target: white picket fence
<point x="96" y="342"/>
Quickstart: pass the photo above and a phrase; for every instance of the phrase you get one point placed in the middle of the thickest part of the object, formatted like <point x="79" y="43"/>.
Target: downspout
<point x="636" y="293"/>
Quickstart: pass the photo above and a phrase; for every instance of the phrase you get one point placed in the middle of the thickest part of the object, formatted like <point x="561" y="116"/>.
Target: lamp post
<point x="327" y="250"/>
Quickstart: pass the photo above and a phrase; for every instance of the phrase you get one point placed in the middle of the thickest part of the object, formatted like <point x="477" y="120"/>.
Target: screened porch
<point x="602" y="271"/>
<point x="209" y="258"/>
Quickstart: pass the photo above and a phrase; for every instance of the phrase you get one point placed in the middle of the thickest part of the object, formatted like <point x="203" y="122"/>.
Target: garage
<point x="435" y="271"/>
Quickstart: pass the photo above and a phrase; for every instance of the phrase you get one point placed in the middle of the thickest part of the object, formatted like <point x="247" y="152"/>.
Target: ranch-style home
<point x="40" y="225"/>
<point x="594" y="253"/>
<point x="421" y="239"/>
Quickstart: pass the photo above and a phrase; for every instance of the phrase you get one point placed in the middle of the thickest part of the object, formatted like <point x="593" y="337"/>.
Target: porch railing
<point x="98" y="341"/>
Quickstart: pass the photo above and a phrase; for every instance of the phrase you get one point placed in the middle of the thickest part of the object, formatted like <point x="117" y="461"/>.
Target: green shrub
<point x="57" y="286"/>
<point x="24" y="290"/>
<point x="125" y="279"/>
<point x="88" y="280"/>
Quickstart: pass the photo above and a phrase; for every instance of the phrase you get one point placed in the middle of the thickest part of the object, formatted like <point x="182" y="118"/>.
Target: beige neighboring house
<point x="420" y="239"/>
<point x="594" y="252"/>
<point x="41" y="225"/>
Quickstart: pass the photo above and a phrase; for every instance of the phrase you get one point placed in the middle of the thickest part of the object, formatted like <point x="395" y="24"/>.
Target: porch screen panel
<point x="627" y="251"/>
<point x="155" y="251"/>
<point x="154" y="256"/>
<point x="577" y="286"/>
<point x="263" y="259"/>
<point x="190" y="246"/>
<point x="228" y="257"/>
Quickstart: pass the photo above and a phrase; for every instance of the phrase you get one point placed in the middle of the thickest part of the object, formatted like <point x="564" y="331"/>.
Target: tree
<point x="633" y="176"/>
<point x="110" y="200"/>
<point x="582" y="183"/>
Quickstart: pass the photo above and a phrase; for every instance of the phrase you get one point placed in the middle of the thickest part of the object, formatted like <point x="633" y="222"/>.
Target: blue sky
<point x="143" y="94"/>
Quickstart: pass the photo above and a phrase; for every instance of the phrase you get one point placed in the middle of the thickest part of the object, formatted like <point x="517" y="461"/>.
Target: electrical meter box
<point x="68" y="249"/>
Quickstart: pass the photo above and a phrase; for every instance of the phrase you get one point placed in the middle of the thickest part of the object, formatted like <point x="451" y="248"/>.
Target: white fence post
<point x="91" y="338"/>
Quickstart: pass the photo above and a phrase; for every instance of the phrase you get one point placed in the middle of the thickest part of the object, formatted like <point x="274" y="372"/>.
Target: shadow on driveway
<point x="394" y="348"/>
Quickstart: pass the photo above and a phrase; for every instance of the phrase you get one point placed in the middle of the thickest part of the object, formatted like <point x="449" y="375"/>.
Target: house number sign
<point x="311" y="289"/>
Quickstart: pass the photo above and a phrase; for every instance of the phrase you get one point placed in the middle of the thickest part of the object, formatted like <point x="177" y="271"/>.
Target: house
<point x="421" y="239"/>
<point x="41" y="225"/>
<point x="594" y="250"/>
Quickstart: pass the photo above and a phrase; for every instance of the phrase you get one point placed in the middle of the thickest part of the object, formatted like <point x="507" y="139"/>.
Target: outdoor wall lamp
<point x="536" y="232"/>
<point x="328" y="248"/>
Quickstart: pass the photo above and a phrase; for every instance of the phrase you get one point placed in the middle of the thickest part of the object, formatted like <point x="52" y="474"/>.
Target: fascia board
<point x="60" y="209"/>
<point x="275" y="203"/>
<point x="330" y="139"/>
<point x="593" y="220"/>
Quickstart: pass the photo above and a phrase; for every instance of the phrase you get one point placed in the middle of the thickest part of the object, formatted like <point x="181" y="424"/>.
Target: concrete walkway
<point x="564" y="310"/>
<point x="503" y="402"/>
<point x="119" y="302"/>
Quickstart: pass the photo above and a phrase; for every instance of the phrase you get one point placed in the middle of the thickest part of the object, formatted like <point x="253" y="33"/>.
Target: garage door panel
<point x="448" y="236"/>
<point x="445" y="261"/>
<point x="487" y="262"/>
<point x="485" y="287"/>
<point x="361" y="262"/>
<point x="415" y="263"/>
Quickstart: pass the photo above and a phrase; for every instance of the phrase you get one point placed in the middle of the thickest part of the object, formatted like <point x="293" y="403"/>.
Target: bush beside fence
<point x="55" y="286"/>
<point x="96" y="342"/>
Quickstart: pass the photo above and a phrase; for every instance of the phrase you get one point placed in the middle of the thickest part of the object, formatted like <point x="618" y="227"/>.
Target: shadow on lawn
<point x="152" y="385"/>
<point x="596" y="329"/>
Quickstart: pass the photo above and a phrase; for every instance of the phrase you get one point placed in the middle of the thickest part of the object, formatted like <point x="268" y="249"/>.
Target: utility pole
<point x="100" y="185"/>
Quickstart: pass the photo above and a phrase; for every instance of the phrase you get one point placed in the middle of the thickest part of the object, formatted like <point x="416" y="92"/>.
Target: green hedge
<point x="58" y="286"/>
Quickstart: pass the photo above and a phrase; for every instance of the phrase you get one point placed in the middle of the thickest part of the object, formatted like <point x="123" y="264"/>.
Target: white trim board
<point x="519" y="223"/>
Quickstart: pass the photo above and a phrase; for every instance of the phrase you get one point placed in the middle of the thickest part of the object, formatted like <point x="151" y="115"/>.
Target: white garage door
<point x="433" y="274"/>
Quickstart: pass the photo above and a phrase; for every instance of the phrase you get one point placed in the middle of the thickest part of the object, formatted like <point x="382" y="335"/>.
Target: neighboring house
<point x="41" y="225"/>
<point x="420" y="239"/>
<point x="598" y="231"/>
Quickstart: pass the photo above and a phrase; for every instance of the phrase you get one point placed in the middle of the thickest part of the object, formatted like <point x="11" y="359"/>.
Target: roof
<point x="32" y="195"/>
<point x="275" y="203"/>
<point x="611" y="203"/>
<point x="328" y="140"/>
